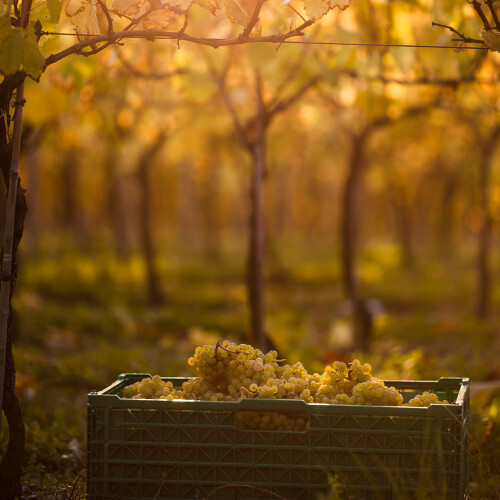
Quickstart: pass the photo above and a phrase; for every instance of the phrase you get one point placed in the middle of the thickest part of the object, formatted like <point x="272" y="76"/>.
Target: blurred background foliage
<point x="136" y="239"/>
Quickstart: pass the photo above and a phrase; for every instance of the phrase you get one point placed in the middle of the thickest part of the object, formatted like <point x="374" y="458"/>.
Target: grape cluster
<point x="152" y="388"/>
<point x="374" y="392"/>
<point x="425" y="399"/>
<point x="229" y="372"/>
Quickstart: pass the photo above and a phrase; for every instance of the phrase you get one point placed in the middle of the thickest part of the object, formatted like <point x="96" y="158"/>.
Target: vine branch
<point x="479" y="11"/>
<point x="462" y="38"/>
<point x="253" y="20"/>
<point x="107" y="14"/>
<point x="493" y="12"/>
<point x="109" y="38"/>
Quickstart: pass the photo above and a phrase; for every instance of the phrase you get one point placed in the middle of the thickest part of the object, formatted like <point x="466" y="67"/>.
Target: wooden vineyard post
<point x="6" y="277"/>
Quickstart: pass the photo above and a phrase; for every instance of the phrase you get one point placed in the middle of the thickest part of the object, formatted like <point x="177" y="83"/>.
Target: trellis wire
<point x="312" y="42"/>
<point x="403" y="45"/>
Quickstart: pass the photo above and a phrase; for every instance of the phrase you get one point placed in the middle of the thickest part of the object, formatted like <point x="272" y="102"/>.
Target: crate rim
<point x="106" y="398"/>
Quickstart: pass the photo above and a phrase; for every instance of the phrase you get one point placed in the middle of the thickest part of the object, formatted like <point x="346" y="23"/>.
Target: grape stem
<point x="243" y="388"/>
<point x="219" y="345"/>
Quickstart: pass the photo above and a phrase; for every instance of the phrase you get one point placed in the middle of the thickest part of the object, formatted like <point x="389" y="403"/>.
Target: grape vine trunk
<point x="11" y="463"/>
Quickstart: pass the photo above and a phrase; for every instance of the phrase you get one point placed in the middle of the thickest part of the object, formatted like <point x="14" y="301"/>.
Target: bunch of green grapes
<point x="327" y="394"/>
<point x="270" y="420"/>
<point x="248" y="372"/>
<point x="198" y="388"/>
<point x="229" y="372"/>
<point x="360" y="372"/>
<point x="425" y="399"/>
<point x="329" y="397"/>
<point x="152" y="388"/>
<point x="314" y="383"/>
<point x="281" y="388"/>
<point x="299" y="384"/>
<point x="374" y="392"/>
<point x="338" y="379"/>
<point x="295" y="383"/>
<point x="212" y="365"/>
<point x="335" y="376"/>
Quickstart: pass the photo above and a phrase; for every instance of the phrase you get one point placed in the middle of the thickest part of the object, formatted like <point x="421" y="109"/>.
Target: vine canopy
<point x="103" y="22"/>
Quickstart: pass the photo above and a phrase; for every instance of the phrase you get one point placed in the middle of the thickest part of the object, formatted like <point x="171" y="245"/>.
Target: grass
<point x="81" y="321"/>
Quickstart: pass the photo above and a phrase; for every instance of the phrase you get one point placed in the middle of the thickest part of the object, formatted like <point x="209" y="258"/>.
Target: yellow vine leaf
<point x="211" y="5"/>
<point x="158" y="20"/>
<point x="492" y="40"/>
<point x="341" y="4"/>
<point x="316" y="9"/>
<point x="239" y="11"/>
<point x="83" y="16"/>
<point x="178" y="6"/>
<point x="73" y="7"/>
<point x="126" y="7"/>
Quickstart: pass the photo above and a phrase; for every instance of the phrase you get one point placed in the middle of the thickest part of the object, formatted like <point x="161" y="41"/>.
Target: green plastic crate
<point x="158" y="449"/>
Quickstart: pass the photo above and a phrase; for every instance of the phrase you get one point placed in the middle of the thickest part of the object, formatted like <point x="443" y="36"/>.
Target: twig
<point x="183" y="29"/>
<point x="463" y="38"/>
<point x="74" y="485"/>
<point x="302" y="26"/>
<point x="297" y="12"/>
<point x="128" y="28"/>
<point x="494" y="14"/>
<point x="480" y="13"/>
<point x="87" y="53"/>
<point x="106" y="13"/>
<point x="135" y="22"/>
<point x="119" y="14"/>
<point x="253" y="20"/>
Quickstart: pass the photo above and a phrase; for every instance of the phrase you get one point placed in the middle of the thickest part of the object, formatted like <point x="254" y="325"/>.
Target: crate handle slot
<point x="463" y="392"/>
<point x="249" y="412"/>
<point x="260" y="404"/>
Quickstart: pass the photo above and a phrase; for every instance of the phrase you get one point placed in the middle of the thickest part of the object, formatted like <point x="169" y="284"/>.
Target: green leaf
<point x="19" y="50"/>
<point x="54" y="9"/>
